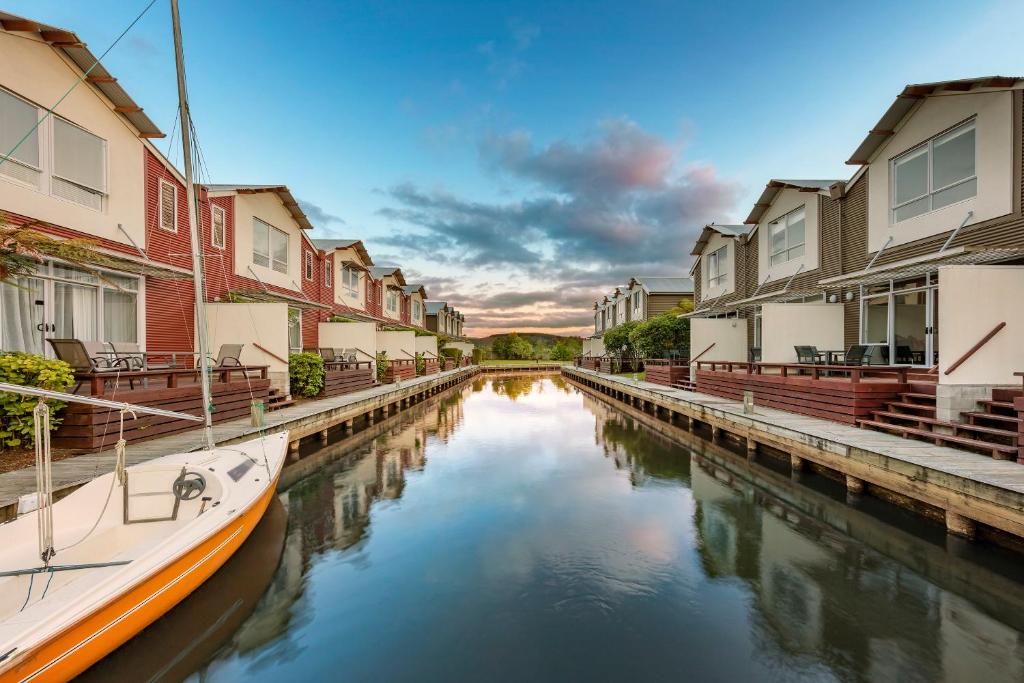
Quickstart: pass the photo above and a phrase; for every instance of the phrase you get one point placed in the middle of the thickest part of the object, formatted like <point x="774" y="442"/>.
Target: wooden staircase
<point x="277" y="400"/>
<point x="992" y="430"/>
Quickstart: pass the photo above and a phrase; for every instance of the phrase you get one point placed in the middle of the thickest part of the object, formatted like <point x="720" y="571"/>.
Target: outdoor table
<point x="833" y="357"/>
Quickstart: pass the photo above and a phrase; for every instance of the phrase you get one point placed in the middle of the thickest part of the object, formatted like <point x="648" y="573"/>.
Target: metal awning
<point x="920" y="265"/>
<point x="137" y="266"/>
<point x="269" y="297"/>
<point x="350" y="263"/>
<point x="782" y="297"/>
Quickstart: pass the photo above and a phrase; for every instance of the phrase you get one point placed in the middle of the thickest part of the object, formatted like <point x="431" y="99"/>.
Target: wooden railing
<point x="701" y="354"/>
<point x="974" y="349"/>
<point x="271" y="353"/>
<point x="855" y="373"/>
<point x="670" y="362"/>
<point x="165" y="378"/>
<point x="347" y="364"/>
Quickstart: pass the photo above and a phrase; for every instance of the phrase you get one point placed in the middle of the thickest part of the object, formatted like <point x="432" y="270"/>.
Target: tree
<point x="682" y="307"/>
<point x="519" y="348"/>
<point x="499" y="347"/>
<point x="656" y="337"/>
<point x="567" y="348"/>
<point x="617" y="341"/>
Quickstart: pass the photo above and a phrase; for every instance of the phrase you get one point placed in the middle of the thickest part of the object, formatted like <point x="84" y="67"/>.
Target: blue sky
<point x="522" y="158"/>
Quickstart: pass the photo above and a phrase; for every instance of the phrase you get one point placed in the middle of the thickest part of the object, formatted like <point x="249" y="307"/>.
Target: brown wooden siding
<point x="662" y="303"/>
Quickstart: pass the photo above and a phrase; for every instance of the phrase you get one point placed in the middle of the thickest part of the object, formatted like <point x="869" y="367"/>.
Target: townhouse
<point x="919" y="255"/>
<point x="640" y="299"/>
<point x="91" y="171"/>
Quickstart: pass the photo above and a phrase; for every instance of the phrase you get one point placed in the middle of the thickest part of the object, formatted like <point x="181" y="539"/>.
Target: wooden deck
<point x="347" y="378"/>
<point x="840" y="393"/>
<point x="302" y="420"/>
<point x="969" y="488"/>
<point x="402" y="369"/>
<point x="665" y="371"/>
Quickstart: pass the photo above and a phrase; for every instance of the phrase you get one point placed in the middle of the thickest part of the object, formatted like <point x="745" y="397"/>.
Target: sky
<point x="521" y="159"/>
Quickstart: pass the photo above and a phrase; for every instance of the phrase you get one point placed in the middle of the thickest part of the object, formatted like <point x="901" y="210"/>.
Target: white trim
<point x="214" y="209"/>
<point x="308" y="266"/>
<point x="328" y="272"/>
<point x="164" y="183"/>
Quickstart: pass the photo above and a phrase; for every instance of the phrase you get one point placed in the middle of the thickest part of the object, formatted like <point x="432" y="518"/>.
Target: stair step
<point x="974" y="415"/>
<point x="955" y="426"/>
<point x="912" y="406"/>
<point x="997" y="404"/>
<point x="927" y="388"/>
<point x="989" y="431"/>
<point x="923" y="397"/>
<point x="998" y="451"/>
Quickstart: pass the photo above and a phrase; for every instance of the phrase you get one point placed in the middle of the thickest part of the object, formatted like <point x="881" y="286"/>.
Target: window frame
<point x="214" y="210"/>
<point x="103" y="192"/>
<point x="39" y="143"/>
<point x="717" y="257"/>
<point x="271" y="261"/>
<point x="163" y="185"/>
<point x="786" y="221"/>
<point x="308" y="266"/>
<point x="328" y="273"/>
<point x="928" y="149"/>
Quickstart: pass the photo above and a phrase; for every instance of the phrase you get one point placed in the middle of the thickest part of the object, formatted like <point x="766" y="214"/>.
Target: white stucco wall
<point x="265" y="324"/>
<point x="342" y="295"/>
<point x="973" y="300"/>
<point x="729" y="336"/>
<point x="267" y="207"/>
<point x="785" y="202"/>
<point x="993" y="165"/>
<point x="398" y="345"/>
<point x="427" y="344"/>
<point x="465" y="347"/>
<point x="362" y="336"/>
<point x="716" y="242"/>
<point x="34" y="71"/>
<point x="593" y="346"/>
<point x="785" y="325"/>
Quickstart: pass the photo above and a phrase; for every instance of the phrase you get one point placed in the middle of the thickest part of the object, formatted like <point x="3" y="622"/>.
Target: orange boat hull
<point x="89" y="640"/>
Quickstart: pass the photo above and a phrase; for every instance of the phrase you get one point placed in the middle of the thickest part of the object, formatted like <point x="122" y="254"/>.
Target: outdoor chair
<point x="346" y="355"/>
<point x="87" y="357"/>
<point x="130" y="354"/>
<point x="808" y="355"/>
<point x="755" y="354"/>
<point x="856" y="355"/>
<point x="327" y="354"/>
<point x="227" y="356"/>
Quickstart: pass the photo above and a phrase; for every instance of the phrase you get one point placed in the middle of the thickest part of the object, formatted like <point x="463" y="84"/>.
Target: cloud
<point x="318" y="215"/>
<point x="589" y="215"/>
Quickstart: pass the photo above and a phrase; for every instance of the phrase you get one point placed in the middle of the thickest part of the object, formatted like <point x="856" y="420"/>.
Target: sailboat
<point x="82" y="575"/>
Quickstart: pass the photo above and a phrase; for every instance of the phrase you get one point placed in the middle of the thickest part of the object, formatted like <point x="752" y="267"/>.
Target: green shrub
<point x="421" y="364"/>
<point x="382" y="365"/>
<point x="340" y="319"/>
<point x="453" y="353"/>
<point x="478" y="356"/>
<point x="31" y="370"/>
<point x="306" y="374"/>
<point x="656" y="337"/>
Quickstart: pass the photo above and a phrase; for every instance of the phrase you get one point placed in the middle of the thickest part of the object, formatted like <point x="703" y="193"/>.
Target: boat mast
<point x="198" y="278"/>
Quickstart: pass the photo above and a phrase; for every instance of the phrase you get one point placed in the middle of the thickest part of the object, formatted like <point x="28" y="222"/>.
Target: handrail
<point x="359" y="350"/>
<point x="697" y="357"/>
<point x="270" y="353"/>
<point x="974" y="349"/>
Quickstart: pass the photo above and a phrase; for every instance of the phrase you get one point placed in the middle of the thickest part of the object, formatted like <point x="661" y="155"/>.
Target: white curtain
<point x="75" y="312"/>
<point x="20" y="314"/>
<point x="120" y="316"/>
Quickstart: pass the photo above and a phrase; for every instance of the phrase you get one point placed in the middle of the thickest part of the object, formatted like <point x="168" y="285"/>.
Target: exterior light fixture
<point x="849" y="296"/>
<point x="833" y="298"/>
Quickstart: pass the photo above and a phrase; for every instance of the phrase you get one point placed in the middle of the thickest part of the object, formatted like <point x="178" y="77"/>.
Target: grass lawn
<point x="639" y="375"/>
<point x="495" y="361"/>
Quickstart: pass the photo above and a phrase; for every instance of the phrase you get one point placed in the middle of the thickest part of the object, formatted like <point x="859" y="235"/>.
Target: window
<point x="308" y="260"/>
<point x="269" y="246"/>
<point x="416" y="309"/>
<point x="218" y="232"/>
<point x="392" y="301"/>
<point x="636" y="301"/>
<point x="168" y="206"/>
<point x="350" y="278"/>
<point x="327" y="273"/>
<point x="935" y="174"/>
<point x="294" y="330"/>
<point x="717" y="267"/>
<point x="786" y="235"/>
<point x="17" y="118"/>
<point x="79" y="165"/>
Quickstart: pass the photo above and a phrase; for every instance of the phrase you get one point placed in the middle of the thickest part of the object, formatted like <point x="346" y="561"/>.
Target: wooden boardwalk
<point x="968" y="487"/>
<point x="309" y="418"/>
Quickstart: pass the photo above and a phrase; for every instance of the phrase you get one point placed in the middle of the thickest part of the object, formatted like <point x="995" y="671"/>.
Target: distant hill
<point x="532" y="337"/>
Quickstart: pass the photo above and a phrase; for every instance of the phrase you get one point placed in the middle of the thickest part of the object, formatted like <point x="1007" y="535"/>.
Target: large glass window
<point x="269" y="246"/>
<point x="935" y="174"/>
<point x="787" y="236"/>
<point x="717" y="267"/>
<point x="17" y="119"/>
<point x="294" y="330"/>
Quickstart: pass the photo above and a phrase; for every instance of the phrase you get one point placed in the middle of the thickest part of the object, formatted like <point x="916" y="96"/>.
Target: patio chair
<point x="227" y="356"/>
<point x="130" y="354"/>
<point x="346" y="355"/>
<point x="755" y="354"/>
<point x="327" y="354"/>
<point x="807" y="355"/>
<point x="856" y="355"/>
<point x="87" y="357"/>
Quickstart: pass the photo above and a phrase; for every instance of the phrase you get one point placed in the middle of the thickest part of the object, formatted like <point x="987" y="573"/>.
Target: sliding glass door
<point x="898" y="321"/>
<point x="68" y="303"/>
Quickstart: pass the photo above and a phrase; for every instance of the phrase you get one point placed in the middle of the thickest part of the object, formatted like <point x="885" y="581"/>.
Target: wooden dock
<point x="522" y="367"/>
<point x="967" y="488"/>
<point x="303" y="420"/>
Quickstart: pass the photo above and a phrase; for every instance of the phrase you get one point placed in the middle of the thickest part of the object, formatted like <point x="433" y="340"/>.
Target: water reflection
<point x="519" y="529"/>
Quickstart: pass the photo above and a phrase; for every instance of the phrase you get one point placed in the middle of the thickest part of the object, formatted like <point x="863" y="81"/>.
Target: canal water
<point x="520" y="529"/>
